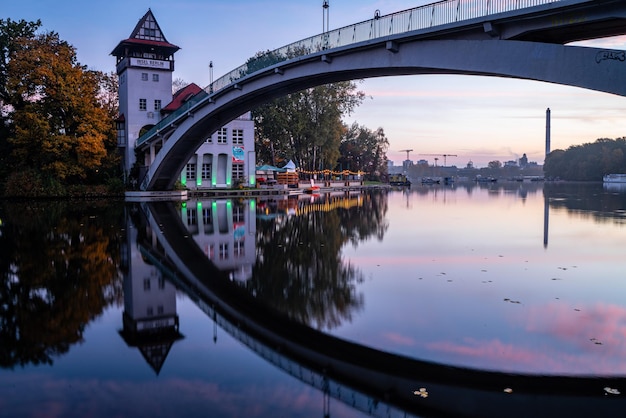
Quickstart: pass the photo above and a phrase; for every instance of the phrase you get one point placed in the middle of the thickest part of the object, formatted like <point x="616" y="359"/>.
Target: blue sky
<point x="480" y="119"/>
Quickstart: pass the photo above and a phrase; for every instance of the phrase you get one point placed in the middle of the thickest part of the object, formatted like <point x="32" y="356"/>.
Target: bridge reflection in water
<point x="373" y="381"/>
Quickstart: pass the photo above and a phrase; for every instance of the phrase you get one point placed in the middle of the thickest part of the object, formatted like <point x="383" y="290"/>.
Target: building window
<point x="146" y="284"/>
<point x="155" y="77"/>
<point x="207" y="216"/>
<point x="237" y="136"/>
<point x="157" y="105"/>
<point x="150" y="311"/>
<point x="222" y="136"/>
<point x="143" y="104"/>
<point x="209" y="140"/>
<point x="144" y="76"/>
<point x="161" y="283"/>
<point x="190" y="172"/>
<point x="238" y="171"/>
<point x="192" y="217"/>
<point x="238" y="214"/>
<point x="160" y="310"/>
<point x="121" y="137"/>
<point x="239" y="249"/>
<point x="223" y="251"/>
<point x="206" y="171"/>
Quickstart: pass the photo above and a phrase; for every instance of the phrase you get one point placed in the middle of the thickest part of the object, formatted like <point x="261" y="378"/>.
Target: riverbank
<point x="278" y="190"/>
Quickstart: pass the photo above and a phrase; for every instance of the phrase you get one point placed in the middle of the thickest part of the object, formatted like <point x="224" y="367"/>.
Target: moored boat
<point x="614" y="178"/>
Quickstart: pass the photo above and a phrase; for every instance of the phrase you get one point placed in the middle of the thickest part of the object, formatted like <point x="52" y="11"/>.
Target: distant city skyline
<point x="480" y="119"/>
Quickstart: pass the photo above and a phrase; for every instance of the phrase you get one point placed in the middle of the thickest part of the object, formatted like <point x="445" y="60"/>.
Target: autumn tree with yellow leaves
<point x="60" y="133"/>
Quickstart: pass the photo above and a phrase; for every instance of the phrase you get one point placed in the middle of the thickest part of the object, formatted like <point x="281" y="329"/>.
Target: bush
<point x="29" y="183"/>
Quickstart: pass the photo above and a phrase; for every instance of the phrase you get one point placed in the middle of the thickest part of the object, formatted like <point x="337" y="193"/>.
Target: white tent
<point x="290" y="166"/>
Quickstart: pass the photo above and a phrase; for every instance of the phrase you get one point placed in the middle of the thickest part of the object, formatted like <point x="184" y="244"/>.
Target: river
<point x="457" y="300"/>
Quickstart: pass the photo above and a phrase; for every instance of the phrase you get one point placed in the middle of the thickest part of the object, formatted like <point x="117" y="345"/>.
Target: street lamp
<point x="325" y="27"/>
<point x="210" y="76"/>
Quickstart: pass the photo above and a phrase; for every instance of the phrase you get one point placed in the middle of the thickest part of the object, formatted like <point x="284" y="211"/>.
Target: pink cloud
<point x="573" y="340"/>
<point x="397" y="339"/>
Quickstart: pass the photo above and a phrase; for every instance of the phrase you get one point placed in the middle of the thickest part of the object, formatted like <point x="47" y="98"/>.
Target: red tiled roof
<point x="181" y="96"/>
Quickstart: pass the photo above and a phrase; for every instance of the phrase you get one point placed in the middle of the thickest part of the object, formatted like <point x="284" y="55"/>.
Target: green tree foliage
<point x="587" y="162"/>
<point x="10" y="32"/>
<point x="364" y="150"/>
<point x="305" y="126"/>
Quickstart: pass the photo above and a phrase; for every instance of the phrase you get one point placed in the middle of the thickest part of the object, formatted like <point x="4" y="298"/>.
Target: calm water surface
<point x="208" y="308"/>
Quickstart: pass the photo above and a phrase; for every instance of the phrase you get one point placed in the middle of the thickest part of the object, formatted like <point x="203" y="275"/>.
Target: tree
<point x="588" y="162"/>
<point x="494" y="164"/>
<point x="365" y="150"/>
<point x="10" y="32"/>
<point x="60" y="127"/>
<point x="305" y="126"/>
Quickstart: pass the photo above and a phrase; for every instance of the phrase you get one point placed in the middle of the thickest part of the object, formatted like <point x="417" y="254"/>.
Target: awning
<point x="267" y="167"/>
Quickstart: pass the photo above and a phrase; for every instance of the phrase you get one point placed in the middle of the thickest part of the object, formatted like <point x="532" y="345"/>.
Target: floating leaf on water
<point x="508" y="390"/>
<point x="421" y="392"/>
<point x="611" y="391"/>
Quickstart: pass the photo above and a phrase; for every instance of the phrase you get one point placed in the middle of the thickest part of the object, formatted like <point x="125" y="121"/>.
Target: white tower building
<point x="145" y="63"/>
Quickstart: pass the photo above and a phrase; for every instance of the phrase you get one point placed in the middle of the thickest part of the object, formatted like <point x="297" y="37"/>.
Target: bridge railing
<point x="422" y="17"/>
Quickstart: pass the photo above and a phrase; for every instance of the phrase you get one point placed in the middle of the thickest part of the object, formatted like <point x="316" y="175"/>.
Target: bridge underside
<point x="589" y="68"/>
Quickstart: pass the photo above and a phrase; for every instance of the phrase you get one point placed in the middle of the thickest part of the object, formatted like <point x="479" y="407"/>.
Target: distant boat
<point x="429" y="180"/>
<point x="399" y="180"/>
<point x="481" y="179"/>
<point x="313" y="189"/>
<point x="614" y="178"/>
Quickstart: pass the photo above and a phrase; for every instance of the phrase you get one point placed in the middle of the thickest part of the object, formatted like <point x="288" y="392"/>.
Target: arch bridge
<point x="523" y="39"/>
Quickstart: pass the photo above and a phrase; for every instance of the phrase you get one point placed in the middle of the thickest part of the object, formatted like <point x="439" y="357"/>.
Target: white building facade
<point x="145" y="66"/>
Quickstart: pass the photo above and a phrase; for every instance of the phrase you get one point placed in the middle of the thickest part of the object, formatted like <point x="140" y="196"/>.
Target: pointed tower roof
<point x="147" y="34"/>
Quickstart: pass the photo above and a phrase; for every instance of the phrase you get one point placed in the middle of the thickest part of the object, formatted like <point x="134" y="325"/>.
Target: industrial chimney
<point x="547" y="132"/>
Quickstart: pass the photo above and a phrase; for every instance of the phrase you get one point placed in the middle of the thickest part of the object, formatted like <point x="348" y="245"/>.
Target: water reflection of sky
<point x="103" y="377"/>
<point x="465" y="278"/>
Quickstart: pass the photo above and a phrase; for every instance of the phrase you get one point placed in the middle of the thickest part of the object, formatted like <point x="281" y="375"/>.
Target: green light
<point x="183" y="178"/>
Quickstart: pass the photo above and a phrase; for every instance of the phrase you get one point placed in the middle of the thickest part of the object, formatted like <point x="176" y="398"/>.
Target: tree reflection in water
<point x="300" y="269"/>
<point x="59" y="270"/>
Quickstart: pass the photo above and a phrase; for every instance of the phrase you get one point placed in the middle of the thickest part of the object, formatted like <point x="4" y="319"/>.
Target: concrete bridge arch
<point x="481" y="48"/>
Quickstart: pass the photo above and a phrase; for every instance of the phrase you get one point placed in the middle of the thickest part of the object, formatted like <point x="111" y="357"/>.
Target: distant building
<point x="523" y="162"/>
<point x="510" y="163"/>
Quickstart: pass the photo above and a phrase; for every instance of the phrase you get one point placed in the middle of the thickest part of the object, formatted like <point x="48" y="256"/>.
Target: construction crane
<point x="407" y="152"/>
<point x="441" y="155"/>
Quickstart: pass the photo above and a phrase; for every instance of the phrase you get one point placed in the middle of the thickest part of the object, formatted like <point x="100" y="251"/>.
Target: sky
<point x="478" y="119"/>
